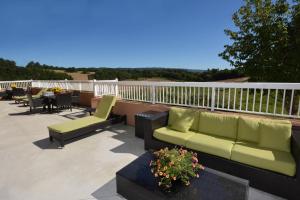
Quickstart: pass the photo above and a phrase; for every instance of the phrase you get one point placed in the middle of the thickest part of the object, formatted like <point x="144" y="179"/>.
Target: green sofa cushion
<point x="251" y="154"/>
<point x="72" y="125"/>
<point x="171" y="136"/>
<point x="181" y="119"/>
<point x="104" y="107"/>
<point x="218" y="124"/>
<point x="275" y="136"/>
<point x="195" y="124"/>
<point x="214" y="145"/>
<point x="248" y="129"/>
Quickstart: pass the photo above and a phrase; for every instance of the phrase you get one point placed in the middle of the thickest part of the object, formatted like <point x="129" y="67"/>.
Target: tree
<point x="293" y="61"/>
<point x="261" y="41"/>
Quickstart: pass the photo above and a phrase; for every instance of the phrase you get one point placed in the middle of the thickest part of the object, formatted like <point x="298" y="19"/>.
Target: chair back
<point x="18" y="92"/>
<point x="64" y="99"/>
<point x="41" y="92"/>
<point x="104" y="107"/>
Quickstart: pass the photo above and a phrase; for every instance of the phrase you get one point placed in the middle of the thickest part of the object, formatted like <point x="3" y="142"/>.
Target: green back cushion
<point x="248" y="129"/>
<point x="40" y="93"/>
<point x="181" y="119"/>
<point x="218" y="124"/>
<point x="275" y="136"/>
<point x="104" y="107"/>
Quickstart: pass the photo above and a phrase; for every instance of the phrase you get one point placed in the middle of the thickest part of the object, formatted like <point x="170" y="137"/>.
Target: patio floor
<point x="33" y="168"/>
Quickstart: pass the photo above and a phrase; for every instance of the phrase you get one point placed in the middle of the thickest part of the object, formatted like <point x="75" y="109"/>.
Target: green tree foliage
<point x="266" y="43"/>
<point x="33" y="70"/>
<point x="293" y="59"/>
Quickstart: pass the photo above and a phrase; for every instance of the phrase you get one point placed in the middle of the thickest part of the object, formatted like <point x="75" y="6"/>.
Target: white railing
<point x="83" y="85"/>
<point x="277" y="99"/>
<point x="8" y="84"/>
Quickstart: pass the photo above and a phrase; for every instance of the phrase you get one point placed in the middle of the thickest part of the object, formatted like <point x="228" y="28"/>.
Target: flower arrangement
<point x="13" y="85"/>
<point x="56" y="90"/>
<point x="175" y="164"/>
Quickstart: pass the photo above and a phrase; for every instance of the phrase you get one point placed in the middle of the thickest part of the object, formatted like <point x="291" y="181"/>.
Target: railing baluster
<point x="254" y="96"/>
<point x="234" y="98"/>
<point x="241" y="98"/>
<point x="198" y="96"/>
<point x="267" y="106"/>
<point x="291" y="106"/>
<point x="223" y="99"/>
<point x="283" y="102"/>
<point x="228" y="106"/>
<point x="260" y="101"/>
<point x="247" y="99"/>
<point x="218" y="93"/>
<point x="275" y="102"/>
<point x="203" y="98"/>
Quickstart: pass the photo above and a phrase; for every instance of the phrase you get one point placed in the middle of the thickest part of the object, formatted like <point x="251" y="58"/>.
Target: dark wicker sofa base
<point x="265" y="180"/>
<point x="86" y="131"/>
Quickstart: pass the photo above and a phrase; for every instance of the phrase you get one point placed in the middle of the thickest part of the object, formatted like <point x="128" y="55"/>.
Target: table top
<point x="149" y="114"/>
<point x="211" y="184"/>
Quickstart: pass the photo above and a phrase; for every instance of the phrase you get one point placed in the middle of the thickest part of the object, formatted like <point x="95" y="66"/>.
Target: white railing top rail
<point x="216" y="84"/>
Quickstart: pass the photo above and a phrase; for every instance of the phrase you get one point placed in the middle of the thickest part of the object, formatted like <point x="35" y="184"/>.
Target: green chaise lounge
<point x="78" y="127"/>
<point x="19" y="99"/>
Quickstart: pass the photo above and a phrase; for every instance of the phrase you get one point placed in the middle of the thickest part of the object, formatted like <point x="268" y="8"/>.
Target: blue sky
<point x="116" y="33"/>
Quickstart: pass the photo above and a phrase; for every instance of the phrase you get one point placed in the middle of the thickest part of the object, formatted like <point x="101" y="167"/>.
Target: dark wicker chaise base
<point x="86" y="131"/>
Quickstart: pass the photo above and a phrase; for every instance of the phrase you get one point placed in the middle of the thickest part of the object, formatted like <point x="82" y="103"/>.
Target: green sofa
<point x="256" y="143"/>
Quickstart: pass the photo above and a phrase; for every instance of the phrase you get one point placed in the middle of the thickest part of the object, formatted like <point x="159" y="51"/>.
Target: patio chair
<point x="25" y="100"/>
<point x="18" y="94"/>
<point x="34" y="102"/>
<point x="76" y="97"/>
<point x="83" y="126"/>
<point x="62" y="101"/>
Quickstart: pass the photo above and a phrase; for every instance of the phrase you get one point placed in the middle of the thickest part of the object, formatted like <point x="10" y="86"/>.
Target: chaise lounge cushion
<point x="251" y="154"/>
<point x="181" y="119"/>
<point x="172" y="136"/>
<point x="105" y="106"/>
<point x="215" y="145"/>
<point x="275" y="136"/>
<point x="218" y="124"/>
<point x="75" y="124"/>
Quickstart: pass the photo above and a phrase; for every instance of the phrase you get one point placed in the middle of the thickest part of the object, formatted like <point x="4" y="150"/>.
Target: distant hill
<point x="35" y="70"/>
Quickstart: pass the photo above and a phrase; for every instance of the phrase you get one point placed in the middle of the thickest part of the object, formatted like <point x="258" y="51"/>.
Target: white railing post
<point x="80" y="86"/>
<point x="66" y="82"/>
<point x="117" y="87"/>
<point x="213" y="99"/>
<point x="153" y="94"/>
<point x="94" y="88"/>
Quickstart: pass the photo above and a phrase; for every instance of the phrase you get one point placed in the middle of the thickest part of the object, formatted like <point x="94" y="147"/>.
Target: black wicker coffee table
<point x="136" y="182"/>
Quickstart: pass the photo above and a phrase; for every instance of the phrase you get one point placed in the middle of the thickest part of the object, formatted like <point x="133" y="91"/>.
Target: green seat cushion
<point x="252" y="154"/>
<point x="248" y="129"/>
<point x="20" y="97"/>
<point x="171" y="136"/>
<point x="275" y="136"/>
<point x="218" y="124"/>
<point x="218" y="146"/>
<point x="104" y="107"/>
<point x="73" y="125"/>
<point x="181" y="119"/>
